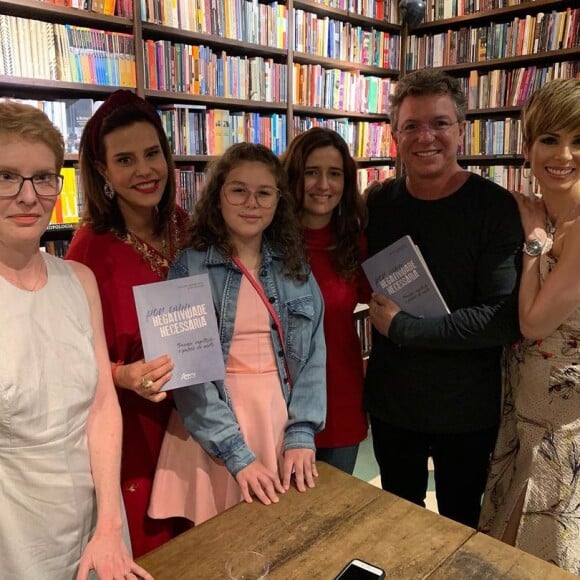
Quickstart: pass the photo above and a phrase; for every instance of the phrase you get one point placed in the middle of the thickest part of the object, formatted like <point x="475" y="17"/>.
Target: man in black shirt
<point x="433" y="385"/>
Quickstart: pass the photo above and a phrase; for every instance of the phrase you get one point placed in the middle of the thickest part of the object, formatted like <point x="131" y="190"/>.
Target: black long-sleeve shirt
<point x="442" y="374"/>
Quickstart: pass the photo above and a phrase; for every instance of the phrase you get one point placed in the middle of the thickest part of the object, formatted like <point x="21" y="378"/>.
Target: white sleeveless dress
<point x="48" y="378"/>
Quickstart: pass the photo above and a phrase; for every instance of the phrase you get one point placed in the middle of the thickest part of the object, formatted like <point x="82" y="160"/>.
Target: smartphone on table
<point x="360" y="570"/>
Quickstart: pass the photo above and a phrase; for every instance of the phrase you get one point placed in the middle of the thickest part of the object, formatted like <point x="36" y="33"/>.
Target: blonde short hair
<point x="31" y="124"/>
<point x="553" y="107"/>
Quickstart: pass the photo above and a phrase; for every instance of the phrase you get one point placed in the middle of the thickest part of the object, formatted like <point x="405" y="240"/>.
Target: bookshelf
<point x="230" y="67"/>
<point x="501" y="54"/>
<point x="264" y="71"/>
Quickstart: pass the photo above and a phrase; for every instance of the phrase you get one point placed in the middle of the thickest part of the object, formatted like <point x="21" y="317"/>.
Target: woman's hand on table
<point x="108" y="556"/>
<point x="256" y="479"/>
<point x="300" y="463"/>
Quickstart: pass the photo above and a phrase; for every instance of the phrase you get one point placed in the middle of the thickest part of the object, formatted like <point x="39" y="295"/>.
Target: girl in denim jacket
<point x="254" y="431"/>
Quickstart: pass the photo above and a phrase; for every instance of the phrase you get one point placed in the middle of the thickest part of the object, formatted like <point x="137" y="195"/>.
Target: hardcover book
<point x="400" y="273"/>
<point x="177" y="317"/>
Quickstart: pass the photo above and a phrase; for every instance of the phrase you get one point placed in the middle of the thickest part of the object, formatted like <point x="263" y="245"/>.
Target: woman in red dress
<point x="131" y="232"/>
<point x="322" y="175"/>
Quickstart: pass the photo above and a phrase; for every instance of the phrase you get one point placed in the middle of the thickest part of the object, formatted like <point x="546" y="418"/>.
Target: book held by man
<point x="177" y="318"/>
<point x="400" y="273"/>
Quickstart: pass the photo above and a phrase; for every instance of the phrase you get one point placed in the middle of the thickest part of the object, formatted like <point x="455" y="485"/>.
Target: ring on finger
<point x="146" y="383"/>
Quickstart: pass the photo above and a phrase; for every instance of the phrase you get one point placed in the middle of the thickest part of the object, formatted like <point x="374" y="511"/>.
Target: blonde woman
<point x="532" y="498"/>
<point x="60" y="424"/>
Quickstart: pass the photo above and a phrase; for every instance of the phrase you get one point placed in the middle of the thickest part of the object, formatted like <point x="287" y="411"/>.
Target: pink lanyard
<point x="270" y="308"/>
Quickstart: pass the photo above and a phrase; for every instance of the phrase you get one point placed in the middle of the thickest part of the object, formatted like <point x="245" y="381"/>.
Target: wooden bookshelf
<point x="158" y="32"/>
<point x="62" y="15"/>
<point x="142" y="30"/>
<point x="498" y="14"/>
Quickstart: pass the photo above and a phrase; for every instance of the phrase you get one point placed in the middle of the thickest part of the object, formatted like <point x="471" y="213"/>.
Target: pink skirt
<point x="189" y="482"/>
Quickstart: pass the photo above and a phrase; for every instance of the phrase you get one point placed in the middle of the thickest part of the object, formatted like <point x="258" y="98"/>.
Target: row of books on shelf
<point x="522" y="36"/>
<point x="123" y="8"/>
<point x="69" y="116"/>
<point x="67" y="208"/>
<point x="369" y="140"/>
<point x="443" y="9"/>
<point x="366" y="175"/>
<point x="508" y="176"/>
<point x="244" y="20"/>
<point x="199" y="70"/>
<point x="492" y="137"/>
<point x="315" y="86"/>
<point x="196" y="131"/>
<point x="512" y="87"/>
<point x="344" y="41"/>
<point x="236" y="18"/>
<point x="336" y="39"/>
<point x="51" y="51"/>
<point x="190" y="182"/>
<point x="385" y="10"/>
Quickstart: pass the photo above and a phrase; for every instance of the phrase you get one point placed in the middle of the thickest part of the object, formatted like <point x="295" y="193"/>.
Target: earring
<point x="526" y="167"/>
<point x="527" y="182"/>
<point x="109" y="191"/>
<point x="339" y="209"/>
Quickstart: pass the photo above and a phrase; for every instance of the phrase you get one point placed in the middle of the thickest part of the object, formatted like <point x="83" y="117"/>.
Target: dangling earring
<point x="526" y="167"/>
<point x="527" y="178"/>
<point x="339" y="209"/>
<point x="109" y="191"/>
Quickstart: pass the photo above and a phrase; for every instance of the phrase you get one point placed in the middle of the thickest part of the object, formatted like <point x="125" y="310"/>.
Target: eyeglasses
<point x="44" y="184"/>
<point x="238" y="194"/>
<point x="436" y="126"/>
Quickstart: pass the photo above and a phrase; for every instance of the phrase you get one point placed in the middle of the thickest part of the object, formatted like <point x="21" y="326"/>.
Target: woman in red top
<point x="131" y="232"/>
<point x="322" y="174"/>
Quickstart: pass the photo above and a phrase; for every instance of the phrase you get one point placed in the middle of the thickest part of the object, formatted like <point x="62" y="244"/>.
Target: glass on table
<point x="247" y="565"/>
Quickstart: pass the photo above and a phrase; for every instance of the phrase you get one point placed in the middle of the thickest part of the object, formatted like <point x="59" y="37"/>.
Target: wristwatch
<point x="534" y="247"/>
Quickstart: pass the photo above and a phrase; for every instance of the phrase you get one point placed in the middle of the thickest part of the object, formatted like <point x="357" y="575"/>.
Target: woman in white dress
<point x="532" y="498"/>
<point x="60" y="425"/>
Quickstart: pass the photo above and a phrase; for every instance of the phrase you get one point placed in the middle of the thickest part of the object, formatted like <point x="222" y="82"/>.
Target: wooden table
<point x="314" y="534"/>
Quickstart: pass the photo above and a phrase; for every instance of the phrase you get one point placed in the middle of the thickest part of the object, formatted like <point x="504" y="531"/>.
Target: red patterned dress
<point x="119" y="263"/>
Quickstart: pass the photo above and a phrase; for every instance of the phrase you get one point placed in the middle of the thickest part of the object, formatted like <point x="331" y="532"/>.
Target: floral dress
<point x="538" y="448"/>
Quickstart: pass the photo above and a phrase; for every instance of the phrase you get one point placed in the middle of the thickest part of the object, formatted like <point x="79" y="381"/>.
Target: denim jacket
<point x="206" y="409"/>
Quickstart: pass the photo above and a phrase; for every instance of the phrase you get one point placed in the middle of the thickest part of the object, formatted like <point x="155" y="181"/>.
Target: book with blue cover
<point x="177" y="317"/>
<point x="400" y="273"/>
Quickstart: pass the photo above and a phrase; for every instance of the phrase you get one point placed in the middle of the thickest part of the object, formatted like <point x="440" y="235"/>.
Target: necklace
<point x="37" y="281"/>
<point x="555" y="224"/>
<point x="159" y="245"/>
<point x="171" y="242"/>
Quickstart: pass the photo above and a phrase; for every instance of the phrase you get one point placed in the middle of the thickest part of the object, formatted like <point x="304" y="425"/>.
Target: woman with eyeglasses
<point x="60" y="423"/>
<point x="131" y="231"/>
<point x="253" y="432"/>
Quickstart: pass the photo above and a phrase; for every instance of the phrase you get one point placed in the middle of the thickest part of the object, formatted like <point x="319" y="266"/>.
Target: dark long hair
<point x="121" y="109"/>
<point x="208" y="227"/>
<point x="349" y="218"/>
